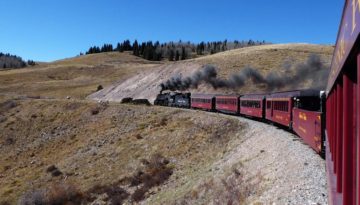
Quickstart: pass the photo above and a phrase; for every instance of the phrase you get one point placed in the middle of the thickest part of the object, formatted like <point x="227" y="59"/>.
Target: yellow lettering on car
<point x="302" y="129"/>
<point x="302" y="116"/>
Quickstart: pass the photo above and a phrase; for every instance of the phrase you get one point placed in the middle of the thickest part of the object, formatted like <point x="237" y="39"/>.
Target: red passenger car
<point x="253" y="105"/>
<point x="343" y="112"/>
<point x="203" y="101"/>
<point x="279" y="105"/>
<point x="308" y="121"/>
<point x="227" y="104"/>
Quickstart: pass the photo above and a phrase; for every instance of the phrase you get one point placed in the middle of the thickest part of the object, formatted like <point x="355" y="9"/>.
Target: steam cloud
<point x="313" y="69"/>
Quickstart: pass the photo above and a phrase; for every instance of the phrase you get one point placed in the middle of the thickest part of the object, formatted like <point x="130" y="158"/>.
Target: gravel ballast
<point x="292" y="173"/>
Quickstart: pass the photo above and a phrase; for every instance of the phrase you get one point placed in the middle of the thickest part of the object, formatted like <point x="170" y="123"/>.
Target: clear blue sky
<point x="47" y="30"/>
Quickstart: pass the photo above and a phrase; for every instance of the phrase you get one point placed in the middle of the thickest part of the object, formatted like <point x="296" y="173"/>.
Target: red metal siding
<point x="343" y="122"/>
<point x="357" y="131"/>
<point x="342" y="128"/>
<point x="201" y="105"/>
<point x="338" y="161"/>
<point x="349" y="148"/>
<point x="252" y="111"/>
<point x="343" y="111"/>
<point x="227" y="103"/>
<point x="281" y="117"/>
<point x="256" y="112"/>
<point x="307" y="124"/>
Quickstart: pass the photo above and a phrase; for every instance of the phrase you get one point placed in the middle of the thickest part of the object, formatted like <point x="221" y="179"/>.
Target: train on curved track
<point x="301" y="111"/>
<point x="328" y="122"/>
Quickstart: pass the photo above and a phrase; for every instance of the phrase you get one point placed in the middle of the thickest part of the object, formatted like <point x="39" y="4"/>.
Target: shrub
<point x="31" y="62"/>
<point x="56" y="194"/>
<point x="51" y="168"/>
<point x="116" y="194"/>
<point x="163" y="121"/>
<point x="126" y="100"/>
<point x="99" y="87"/>
<point x="95" y="110"/>
<point x="141" y="102"/>
<point x="54" y="171"/>
<point x="136" y="101"/>
<point x="7" y="105"/>
<point x="64" y="194"/>
<point x="33" y="197"/>
<point x="2" y="118"/>
<point x="9" y="141"/>
<point x="139" y="194"/>
<point x="138" y="136"/>
<point x="154" y="174"/>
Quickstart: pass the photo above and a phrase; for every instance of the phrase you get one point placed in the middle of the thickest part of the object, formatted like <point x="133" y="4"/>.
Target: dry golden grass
<point x="266" y="58"/>
<point x="80" y="76"/>
<point x="109" y="58"/>
<point x="75" y="77"/>
<point x="92" y="149"/>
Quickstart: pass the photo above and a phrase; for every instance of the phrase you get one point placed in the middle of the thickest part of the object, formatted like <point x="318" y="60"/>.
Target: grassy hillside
<point x="94" y="145"/>
<point x="264" y="59"/>
<point x="75" y="77"/>
<point x="80" y="76"/>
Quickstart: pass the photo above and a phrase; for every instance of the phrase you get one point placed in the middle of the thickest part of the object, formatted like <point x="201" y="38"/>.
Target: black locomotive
<point x="173" y="99"/>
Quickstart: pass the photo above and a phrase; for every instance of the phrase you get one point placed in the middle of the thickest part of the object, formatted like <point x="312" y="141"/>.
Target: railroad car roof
<point x="253" y="96"/>
<point x="228" y="96"/>
<point x="346" y="43"/>
<point x="295" y="93"/>
<point x="199" y="95"/>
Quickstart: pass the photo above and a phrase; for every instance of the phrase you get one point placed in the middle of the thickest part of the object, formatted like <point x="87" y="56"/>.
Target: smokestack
<point x="313" y="68"/>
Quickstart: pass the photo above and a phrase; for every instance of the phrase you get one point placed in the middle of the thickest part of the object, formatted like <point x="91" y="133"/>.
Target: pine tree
<point x="136" y="48"/>
<point x="183" y="53"/>
<point x="118" y="47"/>
<point x="177" y="55"/>
<point x="171" y="55"/>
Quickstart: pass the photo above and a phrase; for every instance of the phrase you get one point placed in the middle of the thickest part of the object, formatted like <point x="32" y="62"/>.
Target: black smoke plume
<point x="294" y="78"/>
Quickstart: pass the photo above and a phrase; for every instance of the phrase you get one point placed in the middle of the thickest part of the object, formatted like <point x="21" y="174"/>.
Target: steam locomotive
<point x="173" y="99"/>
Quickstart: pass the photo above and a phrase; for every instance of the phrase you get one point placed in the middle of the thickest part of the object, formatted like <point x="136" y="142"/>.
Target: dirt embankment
<point x="155" y="155"/>
<point x="145" y="84"/>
